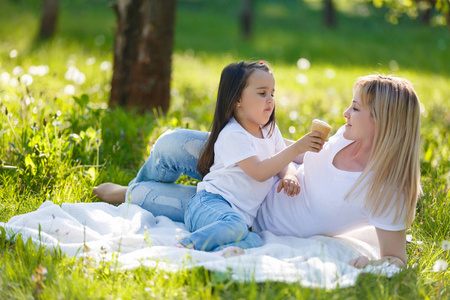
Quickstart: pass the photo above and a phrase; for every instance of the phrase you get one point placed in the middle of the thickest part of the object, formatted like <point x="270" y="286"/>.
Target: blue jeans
<point x="176" y="152"/>
<point x="215" y="224"/>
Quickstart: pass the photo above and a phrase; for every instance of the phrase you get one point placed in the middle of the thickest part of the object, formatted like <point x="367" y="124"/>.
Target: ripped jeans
<point x="214" y="225"/>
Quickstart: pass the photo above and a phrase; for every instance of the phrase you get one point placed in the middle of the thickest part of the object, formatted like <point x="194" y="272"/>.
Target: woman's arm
<point x="392" y="250"/>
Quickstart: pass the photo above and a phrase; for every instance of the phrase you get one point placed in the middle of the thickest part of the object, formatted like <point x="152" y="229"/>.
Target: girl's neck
<point x="252" y="128"/>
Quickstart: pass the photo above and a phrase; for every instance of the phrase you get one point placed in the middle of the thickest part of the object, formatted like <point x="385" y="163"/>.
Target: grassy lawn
<point x="58" y="138"/>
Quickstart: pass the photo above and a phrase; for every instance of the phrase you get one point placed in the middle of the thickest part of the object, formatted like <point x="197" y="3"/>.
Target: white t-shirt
<point x="321" y="207"/>
<point x="225" y="178"/>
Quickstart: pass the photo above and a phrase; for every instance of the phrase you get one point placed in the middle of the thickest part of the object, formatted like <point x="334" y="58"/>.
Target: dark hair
<point x="232" y="82"/>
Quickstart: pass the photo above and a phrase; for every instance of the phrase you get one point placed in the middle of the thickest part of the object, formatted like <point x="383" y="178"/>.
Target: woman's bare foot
<point x="110" y="192"/>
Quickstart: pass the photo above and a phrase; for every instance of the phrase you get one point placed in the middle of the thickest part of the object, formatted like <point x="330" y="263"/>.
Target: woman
<point x="368" y="172"/>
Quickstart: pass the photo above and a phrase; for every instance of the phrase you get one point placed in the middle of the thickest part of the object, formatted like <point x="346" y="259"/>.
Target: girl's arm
<point x="265" y="169"/>
<point x="299" y="158"/>
<point x="392" y="250"/>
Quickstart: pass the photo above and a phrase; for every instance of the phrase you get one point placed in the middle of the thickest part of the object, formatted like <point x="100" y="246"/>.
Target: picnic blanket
<point x="134" y="237"/>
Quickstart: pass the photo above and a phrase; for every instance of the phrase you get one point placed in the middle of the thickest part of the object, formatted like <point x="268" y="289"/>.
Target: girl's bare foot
<point x="230" y="251"/>
<point x="110" y="192"/>
<point x="180" y="245"/>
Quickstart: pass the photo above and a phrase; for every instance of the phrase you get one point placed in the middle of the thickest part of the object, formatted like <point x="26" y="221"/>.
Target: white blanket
<point x="134" y="237"/>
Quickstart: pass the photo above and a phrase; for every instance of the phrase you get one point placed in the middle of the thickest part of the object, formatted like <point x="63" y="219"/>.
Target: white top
<point x="225" y="178"/>
<point x="321" y="207"/>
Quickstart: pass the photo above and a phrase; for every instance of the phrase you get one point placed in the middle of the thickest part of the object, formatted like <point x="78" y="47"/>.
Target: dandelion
<point x="27" y="100"/>
<point x="90" y="61"/>
<point x="330" y="73"/>
<point x="38" y="70"/>
<point x="393" y="65"/>
<point x="292" y="129"/>
<point x="14" y="82"/>
<point x="446" y="245"/>
<point x="303" y="64"/>
<point x="105" y="66"/>
<point x="4" y="78"/>
<point x="440" y="265"/>
<point x="283" y="101"/>
<point x="423" y="110"/>
<point x="189" y="53"/>
<point x="331" y="91"/>
<point x="35" y="110"/>
<point x="17" y="71"/>
<point x="302" y="79"/>
<point x="26" y="79"/>
<point x="13" y="53"/>
<point x="293" y="115"/>
<point x="69" y="90"/>
<point x="75" y="75"/>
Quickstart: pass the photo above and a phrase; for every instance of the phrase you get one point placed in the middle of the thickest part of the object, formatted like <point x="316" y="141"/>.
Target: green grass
<point x="57" y="147"/>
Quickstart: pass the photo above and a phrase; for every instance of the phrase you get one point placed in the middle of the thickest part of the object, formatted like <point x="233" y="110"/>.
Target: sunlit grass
<point x="59" y="138"/>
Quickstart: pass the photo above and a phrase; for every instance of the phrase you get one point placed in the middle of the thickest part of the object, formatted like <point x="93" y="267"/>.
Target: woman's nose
<point x="347" y="113"/>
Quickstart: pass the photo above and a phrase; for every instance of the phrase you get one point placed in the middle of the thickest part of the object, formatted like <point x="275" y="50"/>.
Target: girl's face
<point x="360" y="125"/>
<point x="256" y="103"/>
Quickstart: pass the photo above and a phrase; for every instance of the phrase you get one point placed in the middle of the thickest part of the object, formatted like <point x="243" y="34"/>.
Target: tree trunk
<point x="427" y="12"/>
<point x="49" y="18"/>
<point x="143" y="54"/>
<point x="426" y="16"/>
<point x="330" y="14"/>
<point x="247" y="18"/>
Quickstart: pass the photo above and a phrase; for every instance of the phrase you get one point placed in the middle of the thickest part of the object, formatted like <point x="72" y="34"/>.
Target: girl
<point x="242" y="154"/>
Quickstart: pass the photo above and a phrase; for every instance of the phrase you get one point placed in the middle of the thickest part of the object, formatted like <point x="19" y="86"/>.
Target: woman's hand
<point x="290" y="185"/>
<point x="392" y="250"/>
<point x="362" y="261"/>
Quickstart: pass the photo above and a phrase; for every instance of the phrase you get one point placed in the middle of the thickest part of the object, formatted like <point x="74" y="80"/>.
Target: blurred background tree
<point x="145" y="34"/>
<point x="49" y="18"/>
<point x="143" y="54"/>
<point x="437" y="11"/>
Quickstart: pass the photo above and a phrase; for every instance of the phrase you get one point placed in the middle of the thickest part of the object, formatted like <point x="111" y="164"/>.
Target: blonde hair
<point x="393" y="170"/>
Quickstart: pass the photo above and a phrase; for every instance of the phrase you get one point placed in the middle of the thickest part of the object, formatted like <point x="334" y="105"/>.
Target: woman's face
<point x="360" y="125"/>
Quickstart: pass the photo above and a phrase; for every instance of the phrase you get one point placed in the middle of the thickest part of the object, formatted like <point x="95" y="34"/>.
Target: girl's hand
<point x="310" y="142"/>
<point x="290" y="185"/>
